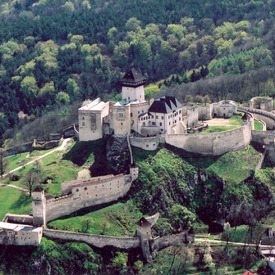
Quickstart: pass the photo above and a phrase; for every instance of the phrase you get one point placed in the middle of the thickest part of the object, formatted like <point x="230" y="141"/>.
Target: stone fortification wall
<point x="26" y="147"/>
<point x="145" y="143"/>
<point x="205" y="112"/>
<point x="95" y="240"/>
<point x="45" y="145"/>
<point x="270" y="123"/>
<point x="21" y="219"/>
<point x="267" y="117"/>
<point x="263" y="137"/>
<point x="160" y="243"/>
<point x="86" y="195"/>
<point x="260" y="163"/>
<point x="212" y="143"/>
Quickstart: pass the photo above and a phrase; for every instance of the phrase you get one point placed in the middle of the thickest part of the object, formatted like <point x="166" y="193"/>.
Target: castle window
<point x="162" y="117"/>
<point x="180" y="119"/>
<point x="157" y="117"/>
<point x="142" y="111"/>
<point x="152" y="116"/>
<point x="83" y="123"/>
<point x="169" y="123"/>
<point x="76" y="190"/>
<point x="153" y="123"/>
<point x="161" y="129"/>
<point x="131" y="114"/>
<point x="85" y="188"/>
<point x="143" y="124"/>
<point x="160" y="124"/>
<point x="147" y="145"/>
<point x="121" y="123"/>
<point x="120" y="115"/>
<point x="138" y="112"/>
<point x="83" y="118"/>
<point x="179" y="111"/>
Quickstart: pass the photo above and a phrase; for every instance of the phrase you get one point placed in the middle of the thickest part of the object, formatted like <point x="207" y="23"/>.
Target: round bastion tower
<point x="134" y="171"/>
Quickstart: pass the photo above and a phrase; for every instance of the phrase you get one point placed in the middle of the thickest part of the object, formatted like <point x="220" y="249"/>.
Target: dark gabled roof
<point x="133" y="165"/>
<point x="165" y="105"/>
<point x="38" y="188"/>
<point x="143" y="222"/>
<point x="49" y="197"/>
<point x="133" y="77"/>
<point x="143" y="114"/>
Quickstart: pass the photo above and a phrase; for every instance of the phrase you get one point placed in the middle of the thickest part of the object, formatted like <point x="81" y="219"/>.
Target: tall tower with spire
<point x="132" y="86"/>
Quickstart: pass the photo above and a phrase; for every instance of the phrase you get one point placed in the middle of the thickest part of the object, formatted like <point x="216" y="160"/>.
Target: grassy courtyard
<point x="216" y="125"/>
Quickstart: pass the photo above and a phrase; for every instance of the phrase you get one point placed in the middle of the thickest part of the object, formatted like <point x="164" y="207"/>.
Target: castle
<point x="144" y="118"/>
<point x="146" y="124"/>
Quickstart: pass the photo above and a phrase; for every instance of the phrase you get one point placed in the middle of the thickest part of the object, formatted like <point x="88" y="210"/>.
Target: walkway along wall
<point x="87" y="195"/>
<point x="95" y="240"/>
<point x="213" y="143"/>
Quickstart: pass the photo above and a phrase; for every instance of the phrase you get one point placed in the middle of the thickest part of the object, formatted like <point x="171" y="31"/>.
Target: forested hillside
<point x="55" y="52"/>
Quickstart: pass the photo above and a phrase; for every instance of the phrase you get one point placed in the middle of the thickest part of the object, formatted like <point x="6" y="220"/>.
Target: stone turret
<point x="134" y="171"/>
<point x="39" y="207"/>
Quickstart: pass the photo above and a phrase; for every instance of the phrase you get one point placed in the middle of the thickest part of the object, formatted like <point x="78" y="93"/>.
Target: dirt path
<point x="219" y="122"/>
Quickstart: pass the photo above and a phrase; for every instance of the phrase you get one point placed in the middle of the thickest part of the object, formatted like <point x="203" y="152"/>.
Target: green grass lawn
<point x="116" y="220"/>
<point x="232" y="123"/>
<point x="52" y="166"/>
<point x="217" y="129"/>
<point x="258" y="126"/>
<point x="16" y="160"/>
<point x="236" y="166"/>
<point x="13" y="201"/>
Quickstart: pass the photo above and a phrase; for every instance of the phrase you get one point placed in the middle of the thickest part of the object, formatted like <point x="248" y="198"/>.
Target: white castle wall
<point x="133" y="93"/>
<point x="145" y="143"/>
<point x="86" y="195"/>
<point x="20" y="234"/>
<point x="121" y="120"/>
<point x="212" y="143"/>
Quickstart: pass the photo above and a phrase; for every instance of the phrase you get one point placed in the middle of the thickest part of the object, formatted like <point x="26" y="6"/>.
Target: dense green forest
<point x="53" y="53"/>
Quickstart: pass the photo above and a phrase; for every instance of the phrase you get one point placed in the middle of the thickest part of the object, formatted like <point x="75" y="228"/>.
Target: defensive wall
<point x="94" y="240"/>
<point x="174" y="239"/>
<point x="263" y="137"/>
<point x="21" y="219"/>
<point x="267" y="117"/>
<point x="213" y="143"/>
<point x="145" y="143"/>
<point x="87" y="194"/>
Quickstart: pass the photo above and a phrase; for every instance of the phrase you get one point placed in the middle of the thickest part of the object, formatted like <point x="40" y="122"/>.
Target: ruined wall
<point x="26" y="147"/>
<point x="88" y="195"/>
<point x="160" y="243"/>
<point x="270" y="123"/>
<point x="95" y="240"/>
<point x="212" y="143"/>
<point x="205" y="112"/>
<point x="263" y="137"/>
<point x="192" y="116"/>
<point x="21" y="219"/>
<point x="21" y="237"/>
<point x="145" y="143"/>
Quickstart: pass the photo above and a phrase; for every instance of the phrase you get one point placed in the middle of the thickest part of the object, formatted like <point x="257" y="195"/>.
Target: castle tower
<point x="39" y="207"/>
<point x="132" y="86"/>
<point x="134" y="171"/>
